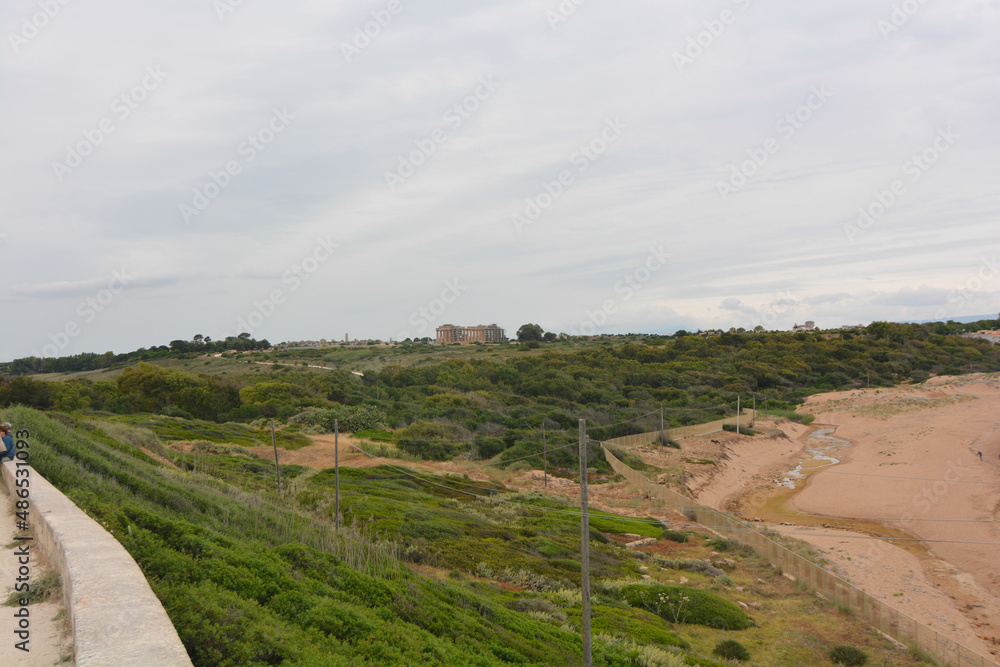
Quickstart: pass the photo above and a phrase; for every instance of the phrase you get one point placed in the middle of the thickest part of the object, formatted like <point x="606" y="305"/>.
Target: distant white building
<point x="992" y="336"/>
<point x="808" y="326"/>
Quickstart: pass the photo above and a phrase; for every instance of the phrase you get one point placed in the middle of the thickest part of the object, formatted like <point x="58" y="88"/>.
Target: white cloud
<point x="781" y="233"/>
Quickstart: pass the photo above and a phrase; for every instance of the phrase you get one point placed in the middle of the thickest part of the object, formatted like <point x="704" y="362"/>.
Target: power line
<point x="555" y="449"/>
<point x="925" y="479"/>
<point x="831" y="516"/>
<point x="573" y="515"/>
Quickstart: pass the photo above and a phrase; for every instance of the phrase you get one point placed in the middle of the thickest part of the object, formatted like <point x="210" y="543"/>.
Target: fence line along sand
<point x="883" y="617"/>
<point x="679" y="432"/>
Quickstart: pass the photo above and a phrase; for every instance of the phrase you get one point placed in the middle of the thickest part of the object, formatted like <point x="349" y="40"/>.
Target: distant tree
<point x="530" y="332"/>
<point x="879" y="329"/>
<point x="549" y="336"/>
<point x="198" y="338"/>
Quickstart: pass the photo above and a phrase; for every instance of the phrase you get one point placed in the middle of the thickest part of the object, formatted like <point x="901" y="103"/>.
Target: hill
<point x="431" y="569"/>
<point x="493" y="402"/>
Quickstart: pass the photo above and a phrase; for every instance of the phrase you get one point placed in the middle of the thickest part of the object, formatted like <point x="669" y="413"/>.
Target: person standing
<point x="8" y="442"/>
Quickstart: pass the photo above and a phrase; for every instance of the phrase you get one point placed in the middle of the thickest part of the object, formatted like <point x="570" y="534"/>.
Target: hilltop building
<point x="482" y="333"/>
<point x="808" y="326"/>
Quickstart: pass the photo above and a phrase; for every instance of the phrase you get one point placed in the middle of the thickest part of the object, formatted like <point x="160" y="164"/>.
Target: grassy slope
<point x="250" y="579"/>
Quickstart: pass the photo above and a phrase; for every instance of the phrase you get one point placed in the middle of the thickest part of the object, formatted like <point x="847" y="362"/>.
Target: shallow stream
<point x="816" y="457"/>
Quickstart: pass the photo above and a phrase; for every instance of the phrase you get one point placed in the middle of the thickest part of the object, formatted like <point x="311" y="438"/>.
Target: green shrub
<point x="732" y="546"/>
<point x="680" y="604"/>
<point x="435" y="450"/>
<point x="675" y="536"/>
<point x="730" y="649"/>
<point x="350" y="418"/>
<point x="374" y="434"/>
<point x="850" y="656"/>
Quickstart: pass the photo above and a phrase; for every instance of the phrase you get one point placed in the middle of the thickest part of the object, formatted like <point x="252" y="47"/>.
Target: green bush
<point x="675" y="536"/>
<point x="374" y="435"/>
<point x="850" y="656"/>
<point x="732" y="546"/>
<point x="730" y="649"/>
<point x="350" y="418"/>
<point x="680" y="604"/>
<point x="426" y="448"/>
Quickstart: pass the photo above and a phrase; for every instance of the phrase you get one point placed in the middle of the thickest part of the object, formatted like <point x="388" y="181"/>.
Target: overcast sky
<point x="307" y="169"/>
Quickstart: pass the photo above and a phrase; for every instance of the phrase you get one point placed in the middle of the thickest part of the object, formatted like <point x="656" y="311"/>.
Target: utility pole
<point x="545" y="458"/>
<point x="663" y="438"/>
<point x="754" y="422"/>
<point x="737" y="415"/>
<point x="336" y="474"/>
<point x="585" y="545"/>
<point x="277" y="469"/>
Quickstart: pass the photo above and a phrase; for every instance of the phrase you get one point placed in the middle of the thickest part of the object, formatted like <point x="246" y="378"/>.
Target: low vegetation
<point x="428" y="569"/>
<point x="849" y="656"/>
<point x="730" y="649"/>
<point x="494" y="403"/>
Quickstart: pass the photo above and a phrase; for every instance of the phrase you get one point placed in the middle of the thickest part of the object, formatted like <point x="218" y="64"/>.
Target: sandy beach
<point x="911" y="464"/>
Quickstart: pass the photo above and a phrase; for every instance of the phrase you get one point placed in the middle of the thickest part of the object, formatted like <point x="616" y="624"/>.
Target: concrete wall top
<point x="115" y="616"/>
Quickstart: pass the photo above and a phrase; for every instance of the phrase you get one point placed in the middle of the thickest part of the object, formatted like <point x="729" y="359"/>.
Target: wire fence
<point x="883" y="617"/>
<point x="678" y="432"/>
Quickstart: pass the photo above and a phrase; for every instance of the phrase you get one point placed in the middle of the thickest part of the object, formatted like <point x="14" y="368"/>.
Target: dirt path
<point x="49" y="638"/>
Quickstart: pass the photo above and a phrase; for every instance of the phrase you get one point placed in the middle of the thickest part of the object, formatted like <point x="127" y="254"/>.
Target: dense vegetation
<point x="252" y="578"/>
<point x="89" y="361"/>
<point x="492" y="402"/>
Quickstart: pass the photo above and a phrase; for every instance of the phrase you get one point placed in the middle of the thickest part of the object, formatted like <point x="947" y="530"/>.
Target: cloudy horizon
<point x="376" y="169"/>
